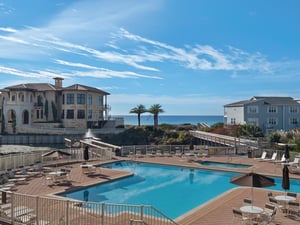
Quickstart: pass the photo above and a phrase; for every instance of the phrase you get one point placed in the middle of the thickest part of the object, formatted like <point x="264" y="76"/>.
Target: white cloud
<point x="8" y="29"/>
<point x="201" y="57"/>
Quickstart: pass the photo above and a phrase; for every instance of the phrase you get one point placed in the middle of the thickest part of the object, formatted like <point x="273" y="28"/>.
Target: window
<point x="13" y="98"/>
<point x="272" y="121"/>
<point x="81" y="99"/>
<point x="233" y="121"/>
<point x="63" y="114"/>
<point x="37" y="114"/>
<point x="90" y="100"/>
<point x="70" y="114"/>
<point x="253" y="121"/>
<point x="70" y="99"/>
<point x="80" y="114"/>
<point x="293" y="109"/>
<point x="63" y="99"/>
<point x="252" y="109"/>
<point x="90" y="114"/>
<point x="100" y="100"/>
<point x="293" y="121"/>
<point x="25" y="117"/>
<point x="272" y="109"/>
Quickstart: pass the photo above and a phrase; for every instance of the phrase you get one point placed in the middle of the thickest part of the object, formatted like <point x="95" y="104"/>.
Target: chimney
<point x="58" y="81"/>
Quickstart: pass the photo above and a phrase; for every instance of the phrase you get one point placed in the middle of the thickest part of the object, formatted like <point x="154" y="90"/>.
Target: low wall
<point x="31" y="139"/>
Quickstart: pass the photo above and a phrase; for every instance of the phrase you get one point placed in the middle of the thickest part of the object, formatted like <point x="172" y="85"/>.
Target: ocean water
<point x="165" y="119"/>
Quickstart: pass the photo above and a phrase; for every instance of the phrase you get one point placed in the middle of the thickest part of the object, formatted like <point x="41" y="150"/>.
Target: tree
<point x="54" y="111"/>
<point x="155" y="110"/>
<point x="138" y="110"/>
<point x="46" y="111"/>
<point x="2" y="124"/>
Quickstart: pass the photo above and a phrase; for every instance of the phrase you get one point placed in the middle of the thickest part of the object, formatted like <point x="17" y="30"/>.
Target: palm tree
<point x="138" y="110"/>
<point x="155" y="110"/>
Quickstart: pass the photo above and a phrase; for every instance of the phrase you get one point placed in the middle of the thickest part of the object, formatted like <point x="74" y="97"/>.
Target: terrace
<point x="217" y="211"/>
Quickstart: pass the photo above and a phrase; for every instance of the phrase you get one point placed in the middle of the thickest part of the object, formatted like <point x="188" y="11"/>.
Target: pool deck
<point x="217" y="211"/>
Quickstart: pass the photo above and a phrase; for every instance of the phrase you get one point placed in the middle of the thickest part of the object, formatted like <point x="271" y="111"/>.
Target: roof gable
<point x="33" y="87"/>
<point x="266" y="100"/>
<point x="79" y="87"/>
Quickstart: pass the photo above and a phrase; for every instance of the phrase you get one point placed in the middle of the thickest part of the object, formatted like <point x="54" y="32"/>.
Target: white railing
<point x="141" y="150"/>
<point x="40" y="210"/>
<point x="14" y="161"/>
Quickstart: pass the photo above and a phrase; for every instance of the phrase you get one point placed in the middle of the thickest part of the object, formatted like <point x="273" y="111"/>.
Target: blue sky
<point x="192" y="57"/>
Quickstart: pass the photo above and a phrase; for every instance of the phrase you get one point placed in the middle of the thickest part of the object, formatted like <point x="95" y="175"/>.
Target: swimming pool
<point x="224" y="165"/>
<point x="171" y="189"/>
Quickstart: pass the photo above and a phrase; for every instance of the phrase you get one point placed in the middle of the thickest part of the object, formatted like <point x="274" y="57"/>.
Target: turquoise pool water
<point x="223" y="165"/>
<point x="171" y="189"/>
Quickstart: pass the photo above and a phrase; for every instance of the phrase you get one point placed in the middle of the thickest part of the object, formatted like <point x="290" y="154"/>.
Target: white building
<point x="269" y="113"/>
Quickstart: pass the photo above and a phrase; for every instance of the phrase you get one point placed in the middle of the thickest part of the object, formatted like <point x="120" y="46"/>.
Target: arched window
<point x="25" y="117"/>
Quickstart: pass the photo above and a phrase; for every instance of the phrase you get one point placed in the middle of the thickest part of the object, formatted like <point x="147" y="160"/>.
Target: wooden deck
<point x="217" y="211"/>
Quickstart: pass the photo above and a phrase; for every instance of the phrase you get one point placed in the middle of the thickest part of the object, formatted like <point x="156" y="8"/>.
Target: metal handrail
<point x="62" y="211"/>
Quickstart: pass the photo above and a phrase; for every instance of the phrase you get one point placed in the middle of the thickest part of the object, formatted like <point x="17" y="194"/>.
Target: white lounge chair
<point x="23" y="171"/>
<point x="263" y="156"/>
<point x="296" y="162"/>
<point x="294" y="169"/>
<point x="282" y="160"/>
<point x="273" y="158"/>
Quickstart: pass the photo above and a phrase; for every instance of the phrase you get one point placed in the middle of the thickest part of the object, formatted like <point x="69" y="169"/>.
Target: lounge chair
<point x="282" y="160"/>
<point x="167" y="153"/>
<point x="21" y="214"/>
<point x="26" y="173"/>
<point x="263" y="156"/>
<point x="88" y="169"/>
<point x="18" y="211"/>
<point x="272" y="159"/>
<point x="296" y="162"/>
<point x="294" y="169"/>
<point x="178" y="153"/>
<point x="150" y="153"/>
<point x="138" y="153"/>
<point x="12" y="174"/>
<point x="21" y="180"/>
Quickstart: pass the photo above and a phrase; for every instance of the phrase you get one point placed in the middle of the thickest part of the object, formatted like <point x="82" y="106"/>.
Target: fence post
<point x="142" y="212"/>
<point x="12" y="207"/>
<point x="102" y="213"/>
<point x="67" y="212"/>
<point x="37" y="209"/>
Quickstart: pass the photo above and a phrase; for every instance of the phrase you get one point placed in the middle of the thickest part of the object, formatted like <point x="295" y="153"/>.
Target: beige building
<point x="27" y="108"/>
